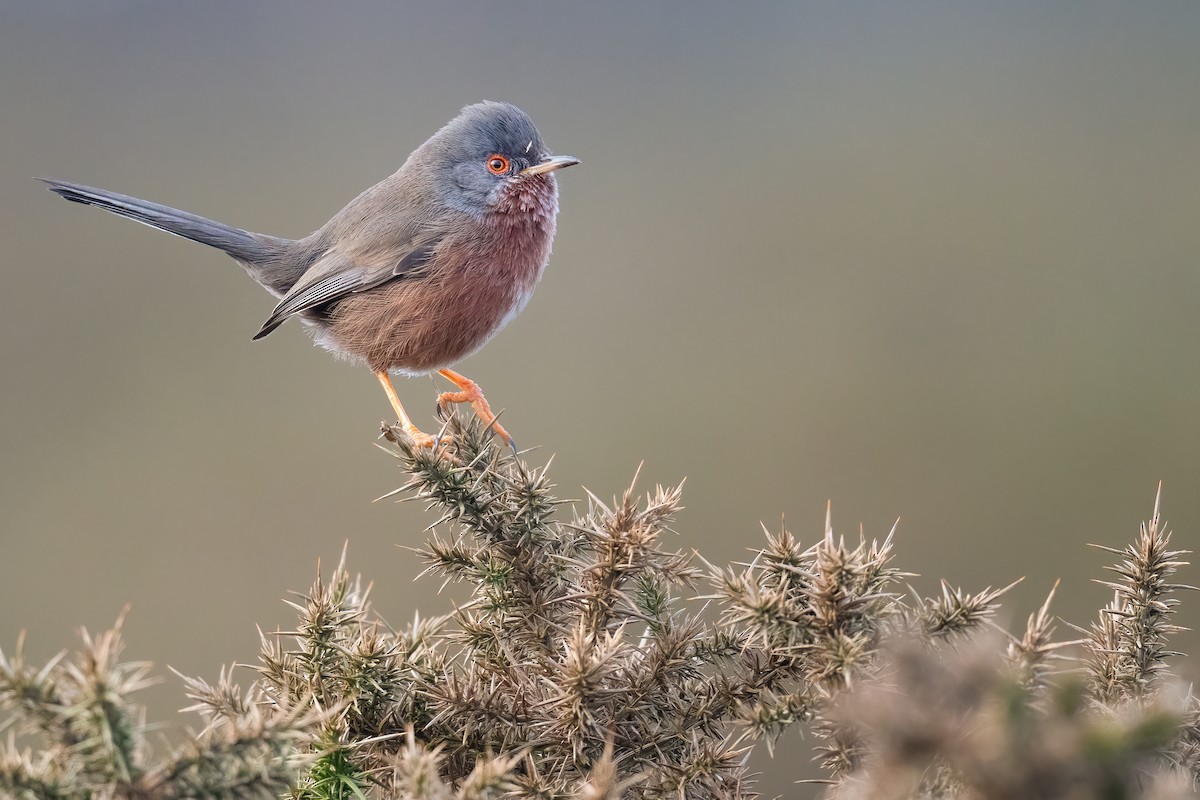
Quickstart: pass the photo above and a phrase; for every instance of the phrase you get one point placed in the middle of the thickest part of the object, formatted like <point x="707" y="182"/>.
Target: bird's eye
<point x="497" y="165"/>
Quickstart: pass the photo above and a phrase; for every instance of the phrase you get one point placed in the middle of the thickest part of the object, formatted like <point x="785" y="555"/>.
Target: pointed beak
<point x="549" y="165"/>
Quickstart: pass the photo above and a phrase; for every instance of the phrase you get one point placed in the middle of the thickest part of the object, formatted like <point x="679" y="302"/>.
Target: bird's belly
<point x="417" y="326"/>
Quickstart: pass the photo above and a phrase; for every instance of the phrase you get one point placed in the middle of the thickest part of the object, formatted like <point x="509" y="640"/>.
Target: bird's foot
<point x="471" y="393"/>
<point x="419" y="439"/>
<point x="422" y="439"/>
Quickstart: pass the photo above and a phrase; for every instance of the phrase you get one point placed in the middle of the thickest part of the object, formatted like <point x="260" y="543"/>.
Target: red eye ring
<point x="497" y="164"/>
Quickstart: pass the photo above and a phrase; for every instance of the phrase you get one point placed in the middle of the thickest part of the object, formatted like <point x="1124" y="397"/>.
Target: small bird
<point x="416" y="273"/>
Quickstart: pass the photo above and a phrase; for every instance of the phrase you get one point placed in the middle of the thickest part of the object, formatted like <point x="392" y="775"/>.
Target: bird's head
<point x="490" y="159"/>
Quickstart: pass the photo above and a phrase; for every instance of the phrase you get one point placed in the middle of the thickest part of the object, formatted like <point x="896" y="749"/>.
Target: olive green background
<point x="929" y="260"/>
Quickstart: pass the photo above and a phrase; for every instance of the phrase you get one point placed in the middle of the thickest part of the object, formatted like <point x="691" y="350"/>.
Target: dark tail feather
<point x="242" y="245"/>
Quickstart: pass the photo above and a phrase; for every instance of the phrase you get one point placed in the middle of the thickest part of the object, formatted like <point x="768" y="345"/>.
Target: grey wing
<point x="333" y="277"/>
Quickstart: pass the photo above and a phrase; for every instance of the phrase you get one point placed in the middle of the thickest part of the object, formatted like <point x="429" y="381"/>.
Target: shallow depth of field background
<point x="931" y="260"/>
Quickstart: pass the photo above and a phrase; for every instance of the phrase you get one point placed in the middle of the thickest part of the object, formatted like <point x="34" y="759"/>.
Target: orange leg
<point x="471" y="393"/>
<point x="420" y="438"/>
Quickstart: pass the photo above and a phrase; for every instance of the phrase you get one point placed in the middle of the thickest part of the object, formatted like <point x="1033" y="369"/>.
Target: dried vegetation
<point x="595" y="660"/>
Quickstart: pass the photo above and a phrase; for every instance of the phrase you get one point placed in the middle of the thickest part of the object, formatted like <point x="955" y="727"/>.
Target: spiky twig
<point x="1128" y="644"/>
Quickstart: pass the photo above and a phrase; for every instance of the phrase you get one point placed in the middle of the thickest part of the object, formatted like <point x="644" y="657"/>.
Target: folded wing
<point x="334" y="276"/>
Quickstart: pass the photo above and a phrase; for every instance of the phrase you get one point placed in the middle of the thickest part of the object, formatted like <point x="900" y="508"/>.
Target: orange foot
<point x="419" y="437"/>
<point x="471" y="393"/>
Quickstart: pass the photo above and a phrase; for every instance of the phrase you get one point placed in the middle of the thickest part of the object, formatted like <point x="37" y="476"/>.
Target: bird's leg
<point x="419" y="437"/>
<point x="471" y="393"/>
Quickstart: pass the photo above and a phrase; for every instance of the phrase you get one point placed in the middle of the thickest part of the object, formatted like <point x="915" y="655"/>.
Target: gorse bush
<point x="595" y="660"/>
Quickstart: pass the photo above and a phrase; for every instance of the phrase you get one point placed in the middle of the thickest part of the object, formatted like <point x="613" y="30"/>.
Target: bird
<point x="416" y="273"/>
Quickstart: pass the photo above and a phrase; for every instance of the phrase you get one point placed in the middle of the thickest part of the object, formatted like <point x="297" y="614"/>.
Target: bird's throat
<point x="527" y="200"/>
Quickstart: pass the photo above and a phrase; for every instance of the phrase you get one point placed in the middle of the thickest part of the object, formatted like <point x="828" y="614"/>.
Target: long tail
<point x="252" y="248"/>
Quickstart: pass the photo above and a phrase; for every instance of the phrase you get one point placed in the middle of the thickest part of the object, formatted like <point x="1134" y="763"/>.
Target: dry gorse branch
<point x="77" y="734"/>
<point x="1128" y="644"/>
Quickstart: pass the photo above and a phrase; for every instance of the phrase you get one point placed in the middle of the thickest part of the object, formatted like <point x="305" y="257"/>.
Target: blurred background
<point x="928" y="260"/>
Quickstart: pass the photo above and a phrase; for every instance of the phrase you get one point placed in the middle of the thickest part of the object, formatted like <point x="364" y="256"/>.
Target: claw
<point x="471" y="393"/>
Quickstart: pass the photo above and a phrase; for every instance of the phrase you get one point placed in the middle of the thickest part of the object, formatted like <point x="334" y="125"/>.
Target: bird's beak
<point x="549" y="165"/>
